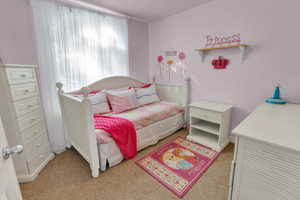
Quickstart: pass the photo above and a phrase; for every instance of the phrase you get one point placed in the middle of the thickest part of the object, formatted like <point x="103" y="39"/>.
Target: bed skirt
<point x="110" y="154"/>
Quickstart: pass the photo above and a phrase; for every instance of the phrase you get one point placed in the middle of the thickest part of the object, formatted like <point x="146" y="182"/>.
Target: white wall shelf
<point x="242" y="48"/>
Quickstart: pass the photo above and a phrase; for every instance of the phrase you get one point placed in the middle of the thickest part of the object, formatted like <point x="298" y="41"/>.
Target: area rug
<point x="178" y="164"/>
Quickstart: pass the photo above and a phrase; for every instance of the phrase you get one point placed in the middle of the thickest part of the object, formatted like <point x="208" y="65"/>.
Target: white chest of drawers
<point x="22" y="115"/>
<point x="209" y="124"/>
<point x="266" y="163"/>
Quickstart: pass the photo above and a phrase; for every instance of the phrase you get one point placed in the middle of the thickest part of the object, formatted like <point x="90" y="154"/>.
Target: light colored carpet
<point x="67" y="177"/>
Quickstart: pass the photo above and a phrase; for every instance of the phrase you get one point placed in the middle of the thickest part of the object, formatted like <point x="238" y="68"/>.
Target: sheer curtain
<point x="76" y="47"/>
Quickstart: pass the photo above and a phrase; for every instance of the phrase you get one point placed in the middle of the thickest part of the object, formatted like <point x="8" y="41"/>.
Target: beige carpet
<point x="67" y="177"/>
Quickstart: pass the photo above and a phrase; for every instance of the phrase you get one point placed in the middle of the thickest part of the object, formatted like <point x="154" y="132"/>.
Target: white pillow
<point x="146" y="95"/>
<point x="99" y="103"/>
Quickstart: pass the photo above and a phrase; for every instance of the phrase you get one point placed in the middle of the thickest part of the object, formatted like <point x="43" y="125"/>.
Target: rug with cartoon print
<point x="178" y="164"/>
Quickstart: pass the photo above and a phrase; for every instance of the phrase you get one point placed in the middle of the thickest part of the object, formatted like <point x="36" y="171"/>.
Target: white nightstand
<point x="209" y="124"/>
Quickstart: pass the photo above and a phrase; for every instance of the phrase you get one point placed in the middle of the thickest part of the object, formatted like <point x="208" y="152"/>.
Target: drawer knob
<point x="23" y="75"/>
<point x="26" y="91"/>
<point x="29" y="106"/>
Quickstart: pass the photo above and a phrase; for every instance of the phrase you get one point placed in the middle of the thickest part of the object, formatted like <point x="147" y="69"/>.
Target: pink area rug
<point x="178" y="164"/>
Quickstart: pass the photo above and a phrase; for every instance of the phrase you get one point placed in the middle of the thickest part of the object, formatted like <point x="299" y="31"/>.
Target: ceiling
<point x="148" y="10"/>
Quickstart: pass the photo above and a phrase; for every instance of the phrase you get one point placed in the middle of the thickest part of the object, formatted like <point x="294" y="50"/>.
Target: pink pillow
<point x="122" y="101"/>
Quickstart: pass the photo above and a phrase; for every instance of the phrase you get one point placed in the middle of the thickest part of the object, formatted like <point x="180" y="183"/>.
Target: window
<point x="84" y="46"/>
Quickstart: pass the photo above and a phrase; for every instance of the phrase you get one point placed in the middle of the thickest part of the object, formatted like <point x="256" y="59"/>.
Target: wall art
<point x="220" y="63"/>
<point x="213" y="41"/>
<point x="174" y="62"/>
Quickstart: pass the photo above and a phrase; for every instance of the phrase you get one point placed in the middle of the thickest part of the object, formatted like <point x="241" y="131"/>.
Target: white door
<point x="9" y="186"/>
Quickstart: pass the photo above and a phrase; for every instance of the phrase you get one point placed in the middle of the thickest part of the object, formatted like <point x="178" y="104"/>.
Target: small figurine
<point x="276" y="97"/>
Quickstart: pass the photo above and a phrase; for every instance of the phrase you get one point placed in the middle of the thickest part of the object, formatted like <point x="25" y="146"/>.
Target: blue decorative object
<point x="276" y="97"/>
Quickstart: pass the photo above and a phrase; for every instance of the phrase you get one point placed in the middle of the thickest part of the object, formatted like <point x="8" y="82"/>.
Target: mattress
<point x="142" y="117"/>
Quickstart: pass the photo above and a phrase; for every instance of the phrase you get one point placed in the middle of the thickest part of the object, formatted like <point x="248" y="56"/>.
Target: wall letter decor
<point x="219" y="41"/>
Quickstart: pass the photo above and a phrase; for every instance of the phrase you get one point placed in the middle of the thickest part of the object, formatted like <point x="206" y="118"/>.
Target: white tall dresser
<point x="266" y="163"/>
<point x="22" y="116"/>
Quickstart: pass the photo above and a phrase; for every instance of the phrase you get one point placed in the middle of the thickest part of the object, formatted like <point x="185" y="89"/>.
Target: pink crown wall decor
<point x="220" y="63"/>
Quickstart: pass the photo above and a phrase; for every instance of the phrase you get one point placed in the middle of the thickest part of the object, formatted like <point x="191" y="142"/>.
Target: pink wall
<point x="138" y="34"/>
<point x="16" y="32"/>
<point x="17" y="42"/>
<point x="270" y="27"/>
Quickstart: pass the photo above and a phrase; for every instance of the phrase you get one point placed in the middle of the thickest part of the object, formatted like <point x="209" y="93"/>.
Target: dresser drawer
<point x="265" y="170"/>
<point x="207" y="115"/>
<point x="38" y="158"/>
<point x="33" y="132"/>
<point x="23" y="91"/>
<point x="36" y="152"/>
<point x="27" y="105"/>
<point x="29" y="120"/>
<point x="20" y="75"/>
<point x="36" y="162"/>
<point x="34" y="147"/>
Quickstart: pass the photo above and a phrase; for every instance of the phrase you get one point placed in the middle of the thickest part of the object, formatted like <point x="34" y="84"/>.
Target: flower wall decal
<point x="174" y="63"/>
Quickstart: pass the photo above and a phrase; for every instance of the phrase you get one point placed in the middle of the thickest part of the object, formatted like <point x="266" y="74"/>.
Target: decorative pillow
<point x="122" y="100"/>
<point x="146" y="95"/>
<point x="99" y="103"/>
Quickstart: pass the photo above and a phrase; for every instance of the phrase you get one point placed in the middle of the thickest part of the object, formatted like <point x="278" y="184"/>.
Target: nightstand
<point x="209" y="124"/>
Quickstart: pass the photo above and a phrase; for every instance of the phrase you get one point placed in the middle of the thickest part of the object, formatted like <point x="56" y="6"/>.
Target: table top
<point x="219" y="107"/>
<point x="273" y="124"/>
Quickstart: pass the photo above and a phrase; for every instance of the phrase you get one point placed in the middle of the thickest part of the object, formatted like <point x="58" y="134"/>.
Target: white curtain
<point x="76" y="47"/>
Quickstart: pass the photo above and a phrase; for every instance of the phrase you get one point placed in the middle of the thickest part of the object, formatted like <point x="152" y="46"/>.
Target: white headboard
<point x="115" y="82"/>
<point x="174" y="93"/>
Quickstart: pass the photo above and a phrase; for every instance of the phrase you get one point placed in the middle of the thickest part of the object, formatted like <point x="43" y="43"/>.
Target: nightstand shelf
<point x="205" y="138"/>
<point x="206" y="126"/>
<point x="209" y="124"/>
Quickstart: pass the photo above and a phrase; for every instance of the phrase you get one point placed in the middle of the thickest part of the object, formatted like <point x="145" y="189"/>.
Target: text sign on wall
<point x="213" y="41"/>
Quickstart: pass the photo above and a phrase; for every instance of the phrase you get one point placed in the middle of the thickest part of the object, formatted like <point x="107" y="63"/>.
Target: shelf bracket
<point x="242" y="52"/>
<point x="202" y="55"/>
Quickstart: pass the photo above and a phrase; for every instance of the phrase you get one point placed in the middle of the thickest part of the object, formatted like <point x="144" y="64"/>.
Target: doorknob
<point x="7" y="152"/>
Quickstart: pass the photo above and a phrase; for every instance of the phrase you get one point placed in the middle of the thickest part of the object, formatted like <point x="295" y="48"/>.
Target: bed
<point x="101" y="153"/>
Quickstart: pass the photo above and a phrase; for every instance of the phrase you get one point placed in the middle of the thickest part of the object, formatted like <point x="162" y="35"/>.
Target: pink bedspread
<point x="143" y="116"/>
<point x="121" y="130"/>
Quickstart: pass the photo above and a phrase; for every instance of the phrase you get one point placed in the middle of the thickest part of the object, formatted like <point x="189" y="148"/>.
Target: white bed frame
<point x="77" y="113"/>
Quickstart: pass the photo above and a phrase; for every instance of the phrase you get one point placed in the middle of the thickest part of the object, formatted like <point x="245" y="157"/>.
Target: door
<point x="9" y="186"/>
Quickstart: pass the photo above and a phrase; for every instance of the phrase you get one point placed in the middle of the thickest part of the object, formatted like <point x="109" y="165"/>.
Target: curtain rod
<point x="94" y="7"/>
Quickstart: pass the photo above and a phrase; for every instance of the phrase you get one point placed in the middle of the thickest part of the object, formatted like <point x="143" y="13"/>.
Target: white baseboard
<point x="31" y="177"/>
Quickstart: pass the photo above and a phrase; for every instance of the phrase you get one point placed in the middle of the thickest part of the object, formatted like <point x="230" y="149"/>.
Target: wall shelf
<point x="242" y="48"/>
